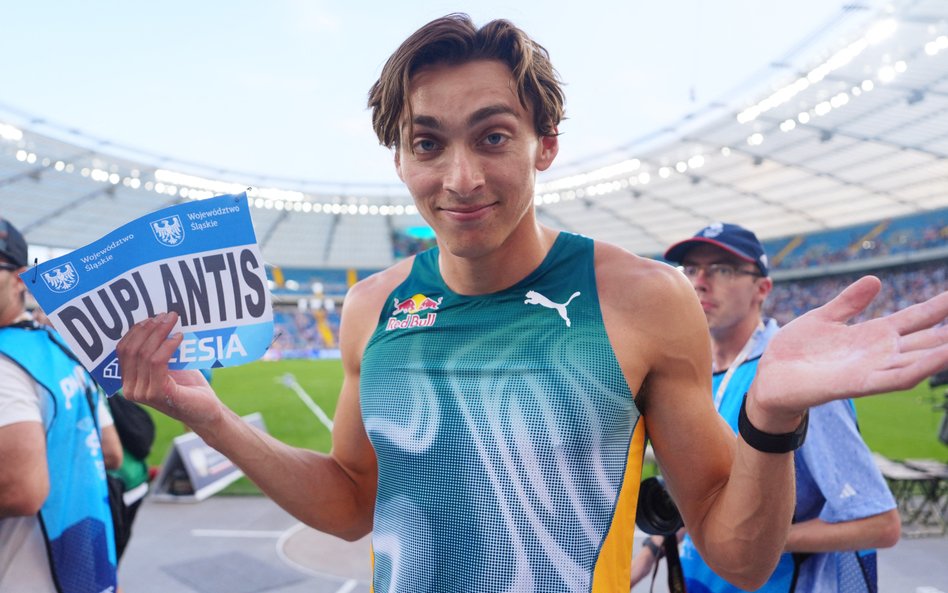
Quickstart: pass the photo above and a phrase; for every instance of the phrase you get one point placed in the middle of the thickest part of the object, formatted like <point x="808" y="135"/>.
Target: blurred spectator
<point x="56" y="531"/>
<point x="128" y="483"/>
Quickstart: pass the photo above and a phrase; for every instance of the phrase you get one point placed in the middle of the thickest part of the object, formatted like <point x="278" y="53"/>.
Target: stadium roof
<point x="852" y="129"/>
<point x="856" y="131"/>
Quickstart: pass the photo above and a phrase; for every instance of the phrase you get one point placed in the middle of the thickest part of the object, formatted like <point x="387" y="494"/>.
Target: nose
<point x="464" y="175"/>
<point x="700" y="279"/>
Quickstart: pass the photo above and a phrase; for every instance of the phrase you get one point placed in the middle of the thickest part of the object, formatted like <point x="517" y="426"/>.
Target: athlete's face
<point x="727" y="299"/>
<point x="470" y="155"/>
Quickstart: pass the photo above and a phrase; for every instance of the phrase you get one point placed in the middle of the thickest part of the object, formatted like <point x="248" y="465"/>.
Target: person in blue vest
<point x="56" y="533"/>
<point x="844" y="509"/>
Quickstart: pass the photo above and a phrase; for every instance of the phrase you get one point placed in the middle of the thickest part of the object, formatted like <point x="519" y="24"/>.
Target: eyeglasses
<point x="725" y="272"/>
<point x="8" y="267"/>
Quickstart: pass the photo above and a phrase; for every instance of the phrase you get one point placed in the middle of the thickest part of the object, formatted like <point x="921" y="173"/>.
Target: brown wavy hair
<point x="454" y="40"/>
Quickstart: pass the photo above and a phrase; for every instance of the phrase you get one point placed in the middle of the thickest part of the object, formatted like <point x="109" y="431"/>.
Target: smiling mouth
<point x="467" y="211"/>
<point x="467" y="208"/>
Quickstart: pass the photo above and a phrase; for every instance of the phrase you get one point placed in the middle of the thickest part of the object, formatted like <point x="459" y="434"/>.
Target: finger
<point x="908" y="370"/>
<point x="922" y="315"/>
<point x="158" y="372"/>
<point x="924" y="339"/>
<point x="136" y="348"/>
<point x="851" y="301"/>
<point x="127" y="349"/>
<point x="149" y="362"/>
<point x="130" y="350"/>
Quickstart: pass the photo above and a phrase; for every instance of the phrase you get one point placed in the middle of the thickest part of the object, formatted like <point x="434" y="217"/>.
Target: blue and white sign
<point x="199" y="259"/>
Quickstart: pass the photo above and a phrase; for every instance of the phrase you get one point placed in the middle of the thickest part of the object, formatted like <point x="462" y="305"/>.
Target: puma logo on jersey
<point x="535" y="298"/>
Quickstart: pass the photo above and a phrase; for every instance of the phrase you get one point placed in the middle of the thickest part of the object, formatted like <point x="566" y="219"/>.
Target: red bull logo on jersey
<point x="412" y="307"/>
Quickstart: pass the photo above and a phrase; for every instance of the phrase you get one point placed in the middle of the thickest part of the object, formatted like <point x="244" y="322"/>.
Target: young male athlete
<point x="844" y="508"/>
<point x="492" y="442"/>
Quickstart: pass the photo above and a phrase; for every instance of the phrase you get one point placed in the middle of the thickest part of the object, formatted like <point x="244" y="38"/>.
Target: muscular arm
<point x="24" y="480"/>
<point x="334" y="493"/>
<point x="737" y="503"/>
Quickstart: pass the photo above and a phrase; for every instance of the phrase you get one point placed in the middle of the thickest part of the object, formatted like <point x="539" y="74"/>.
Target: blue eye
<point x="425" y="145"/>
<point x="494" y="139"/>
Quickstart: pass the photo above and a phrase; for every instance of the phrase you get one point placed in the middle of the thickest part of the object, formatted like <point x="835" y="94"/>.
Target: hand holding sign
<point x="143" y="355"/>
<point x="199" y="259"/>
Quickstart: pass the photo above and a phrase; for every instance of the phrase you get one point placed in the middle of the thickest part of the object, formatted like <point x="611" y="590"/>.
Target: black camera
<point x="657" y="513"/>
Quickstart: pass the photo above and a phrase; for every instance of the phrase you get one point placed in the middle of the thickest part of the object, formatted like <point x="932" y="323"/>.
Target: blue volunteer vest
<point x="75" y="519"/>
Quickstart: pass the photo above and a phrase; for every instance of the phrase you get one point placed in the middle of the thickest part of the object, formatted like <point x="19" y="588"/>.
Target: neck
<point x="501" y="268"/>
<point x="726" y="344"/>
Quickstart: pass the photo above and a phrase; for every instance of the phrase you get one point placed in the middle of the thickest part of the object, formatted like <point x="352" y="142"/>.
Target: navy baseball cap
<point x="12" y="244"/>
<point x="732" y="238"/>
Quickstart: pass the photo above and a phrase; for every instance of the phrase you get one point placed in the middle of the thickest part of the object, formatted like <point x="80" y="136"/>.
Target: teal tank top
<point x="503" y="426"/>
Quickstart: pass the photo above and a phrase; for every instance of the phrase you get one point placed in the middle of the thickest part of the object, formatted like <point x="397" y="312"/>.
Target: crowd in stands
<point x="904" y="240"/>
<point x="298" y="334"/>
<point x="868" y="241"/>
<point x="901" y="287"/>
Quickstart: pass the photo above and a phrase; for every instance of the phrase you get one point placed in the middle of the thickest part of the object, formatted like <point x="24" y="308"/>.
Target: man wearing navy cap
<point x="55" y="526"/>
<point x="843" y="503"/>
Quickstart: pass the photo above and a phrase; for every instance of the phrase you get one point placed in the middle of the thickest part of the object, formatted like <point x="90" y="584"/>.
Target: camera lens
<point x="657" y="513"/>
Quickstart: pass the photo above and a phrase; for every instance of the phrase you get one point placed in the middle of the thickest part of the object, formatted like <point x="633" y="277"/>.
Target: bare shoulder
<point x="363" y="305"/>
<point x="649" y="309"/>
<point x="639" y="286"/>
<point x="372" y="290"/>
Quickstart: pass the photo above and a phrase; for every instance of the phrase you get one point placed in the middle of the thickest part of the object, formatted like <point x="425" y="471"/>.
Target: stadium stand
<point x="908" y="234"/>
<point x="834" y="155"/>
<point x="847" y="129"/>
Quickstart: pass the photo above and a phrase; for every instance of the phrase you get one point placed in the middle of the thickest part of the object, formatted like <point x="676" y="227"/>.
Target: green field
<point x="899" y="425"/>
<point x="257" y="387"/>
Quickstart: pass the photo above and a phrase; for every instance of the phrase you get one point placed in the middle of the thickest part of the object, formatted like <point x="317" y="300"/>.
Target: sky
<point x="278" y="88"/>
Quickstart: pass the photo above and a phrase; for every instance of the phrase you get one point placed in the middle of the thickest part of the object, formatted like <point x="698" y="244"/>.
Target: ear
<point x="764" y="286"/>
<point x="547" y="150"/>
<point x="398" y="163"/>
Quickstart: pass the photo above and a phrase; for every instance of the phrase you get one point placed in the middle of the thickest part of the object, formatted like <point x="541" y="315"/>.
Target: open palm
<point x="818" y="357"/>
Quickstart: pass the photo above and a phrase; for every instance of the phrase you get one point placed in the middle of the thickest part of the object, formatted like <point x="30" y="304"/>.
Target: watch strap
<point x="767" y="442"/>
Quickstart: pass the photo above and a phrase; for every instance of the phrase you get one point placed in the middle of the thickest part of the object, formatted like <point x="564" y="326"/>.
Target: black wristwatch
<point x="767" y="442"/>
